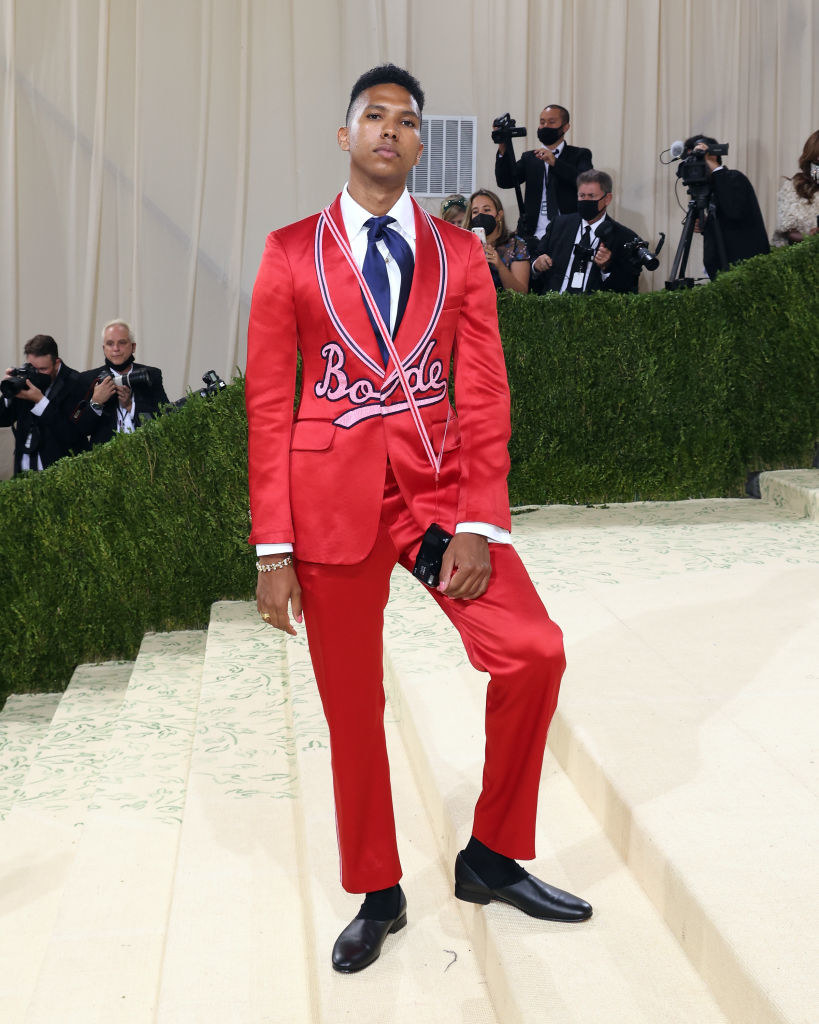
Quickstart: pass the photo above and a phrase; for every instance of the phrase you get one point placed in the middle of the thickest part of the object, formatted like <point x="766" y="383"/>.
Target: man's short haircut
<point x="387" y="74"/>
<point x="602" y="179"/>
<point x="564" y="113"/>
<point x="707" y="139"/>
<point x="119" y="323"/>
<point x="41" y="345"/>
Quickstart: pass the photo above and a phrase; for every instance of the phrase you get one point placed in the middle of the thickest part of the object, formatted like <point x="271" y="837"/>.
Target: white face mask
<point x="814" y="172"/>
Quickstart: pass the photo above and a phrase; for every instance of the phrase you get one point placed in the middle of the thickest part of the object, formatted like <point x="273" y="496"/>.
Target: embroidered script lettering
<point x="425" y="378"/>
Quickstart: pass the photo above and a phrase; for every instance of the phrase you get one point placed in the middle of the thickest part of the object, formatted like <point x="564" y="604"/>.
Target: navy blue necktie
<point x="375" y="273"/>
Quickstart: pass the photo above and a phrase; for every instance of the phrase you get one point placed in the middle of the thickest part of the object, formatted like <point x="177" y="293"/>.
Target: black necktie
<point x="579" y="264"/>
<point x="375" y="273"/>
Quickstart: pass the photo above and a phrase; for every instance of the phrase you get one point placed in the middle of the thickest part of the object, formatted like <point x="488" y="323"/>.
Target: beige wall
<point x="148" y="146"/>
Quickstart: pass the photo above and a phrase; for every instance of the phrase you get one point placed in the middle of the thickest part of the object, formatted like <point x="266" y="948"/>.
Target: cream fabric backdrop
<point x="149" y="146"/>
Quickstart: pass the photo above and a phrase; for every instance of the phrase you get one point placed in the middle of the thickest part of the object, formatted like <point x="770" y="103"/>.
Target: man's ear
<point x="343" y="137"/>
<point x="420" y="151"/>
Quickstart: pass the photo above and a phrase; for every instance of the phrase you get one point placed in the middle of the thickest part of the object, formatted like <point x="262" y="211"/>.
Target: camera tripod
<point x="701" y="208"/>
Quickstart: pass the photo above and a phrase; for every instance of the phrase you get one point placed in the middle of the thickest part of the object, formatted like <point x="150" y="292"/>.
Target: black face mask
<point x="588" y="208"/>
<point x="122" y="366"/>
<point x="41" y="381"/>
<point x="485" y="221"/>
<point x="549" y="136"/>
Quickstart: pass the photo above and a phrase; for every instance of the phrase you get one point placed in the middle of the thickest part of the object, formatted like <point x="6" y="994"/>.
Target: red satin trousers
<point x="506" y="632"/>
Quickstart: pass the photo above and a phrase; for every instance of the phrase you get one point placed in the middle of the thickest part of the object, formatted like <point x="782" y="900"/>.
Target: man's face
<point x="45" y="364"/>
<point x="595" y="192"/>
<point x="115" y="344"/>
<point x="383" y="136"/>
<point x="551" y="118"/>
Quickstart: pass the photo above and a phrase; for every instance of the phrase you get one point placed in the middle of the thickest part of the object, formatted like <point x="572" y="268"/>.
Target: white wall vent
<point x="448" y="161"/>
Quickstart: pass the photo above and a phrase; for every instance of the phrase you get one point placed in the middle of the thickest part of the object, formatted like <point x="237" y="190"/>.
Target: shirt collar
<point x="355" y="216"/>
<point x="585" y="224"/>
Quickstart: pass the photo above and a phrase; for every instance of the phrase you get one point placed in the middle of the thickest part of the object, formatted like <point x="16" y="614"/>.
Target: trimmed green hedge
<point x="665" y="395"/>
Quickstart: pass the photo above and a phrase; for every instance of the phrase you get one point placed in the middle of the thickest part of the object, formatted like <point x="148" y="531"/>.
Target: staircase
<point x="167" y="838"/>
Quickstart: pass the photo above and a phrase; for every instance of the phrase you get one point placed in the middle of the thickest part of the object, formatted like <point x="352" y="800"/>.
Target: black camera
<point x="584" y="253"/>
<point x="505" y="128"/>
<point x="19" y="378"/>
<point x="693" y="170"/>
<point x="131" y="379"/>
<point x="213" y="384"/>
<point x="638" y="252"/>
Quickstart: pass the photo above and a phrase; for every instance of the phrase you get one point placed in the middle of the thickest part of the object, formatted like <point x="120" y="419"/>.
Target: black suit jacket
<point x="558" y="242"/>
<point x="529" y="171"/>
<point x="56" y="433"/>
<point x="740" y="220"/>
<point x="147" y="399"/>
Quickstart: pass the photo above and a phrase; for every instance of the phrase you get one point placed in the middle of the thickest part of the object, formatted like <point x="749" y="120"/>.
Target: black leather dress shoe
<point x="533" y="897"/>
<point x="360" y="943"/>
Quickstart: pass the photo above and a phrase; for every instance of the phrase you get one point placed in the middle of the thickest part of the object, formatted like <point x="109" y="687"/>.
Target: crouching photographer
<point x="36" y="401"/>
<point x="589" y="251"/>
<point x="121" y="393"/>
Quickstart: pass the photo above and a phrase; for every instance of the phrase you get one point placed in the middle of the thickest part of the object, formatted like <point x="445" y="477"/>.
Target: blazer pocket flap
<point x="312" y="435"/>
<point x="448" y="435"/>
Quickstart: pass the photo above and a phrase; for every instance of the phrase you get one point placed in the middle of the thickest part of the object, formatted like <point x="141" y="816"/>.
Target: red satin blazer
<point x="317" y="477"/>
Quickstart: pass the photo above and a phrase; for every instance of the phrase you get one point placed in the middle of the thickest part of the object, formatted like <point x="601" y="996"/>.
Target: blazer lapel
<point x="342" y="293"/>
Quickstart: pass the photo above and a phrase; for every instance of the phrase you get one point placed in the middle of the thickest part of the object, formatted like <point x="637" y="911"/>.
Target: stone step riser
<point x="109" y="935"/>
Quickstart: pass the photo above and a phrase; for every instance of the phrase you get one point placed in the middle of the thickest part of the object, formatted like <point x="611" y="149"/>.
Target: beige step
<point x="428" y="971"/>
<point x="103" y="959"/>
<point x="794" y="489"/>
<point x="687" y="722"/>
<point x="39" y="836"/>
<point x="623" y="965"/>
<point x="24" y="721"/>
<point x="236" y="949"/>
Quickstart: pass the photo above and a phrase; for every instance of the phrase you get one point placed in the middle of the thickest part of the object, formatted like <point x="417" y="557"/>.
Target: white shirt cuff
<point x="40" y="407"/>
<point x="272" y="549"/>
<point x="493" y="533"/>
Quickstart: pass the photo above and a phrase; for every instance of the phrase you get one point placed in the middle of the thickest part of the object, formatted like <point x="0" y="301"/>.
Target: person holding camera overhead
<point x="121" y="392"/>
<point x="506" y="254"/>
<point x="37" y="401"/>
<point x="587" y="251"/>
<point x="549" y="173"/>
<point x="736" y="221"/>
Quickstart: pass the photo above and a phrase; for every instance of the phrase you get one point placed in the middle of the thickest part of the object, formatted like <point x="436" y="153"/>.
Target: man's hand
<point x="30" y="394"/>
<point x="602" y="257"/>
<point x="542" y="263"/>
<point x="103" y="391"/>
<point x="124" y="395"/>
<point x="546" y="155"/>
<point x="273" y="592"/>
<point x="465" y="568"/>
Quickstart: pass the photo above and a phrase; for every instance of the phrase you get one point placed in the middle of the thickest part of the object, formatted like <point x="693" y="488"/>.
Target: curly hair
<point x="804" y="183"/>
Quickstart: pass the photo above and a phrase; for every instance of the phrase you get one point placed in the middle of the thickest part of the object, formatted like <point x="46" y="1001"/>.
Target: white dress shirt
<point x="355" y="217"/>
<point x="595" y="242"/>
<point x="543" y="217"/>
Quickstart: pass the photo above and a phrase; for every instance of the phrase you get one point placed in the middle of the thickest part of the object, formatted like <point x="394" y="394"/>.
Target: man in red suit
<point x="381" y="300"/>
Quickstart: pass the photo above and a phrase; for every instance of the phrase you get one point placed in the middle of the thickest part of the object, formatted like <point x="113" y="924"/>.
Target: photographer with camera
<point x="37" y="402"/>
<point x="733" y="229"/>
<point x="121" y="392"/>
<point x="549" y="173"/>
<point x="588" y="251"/>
